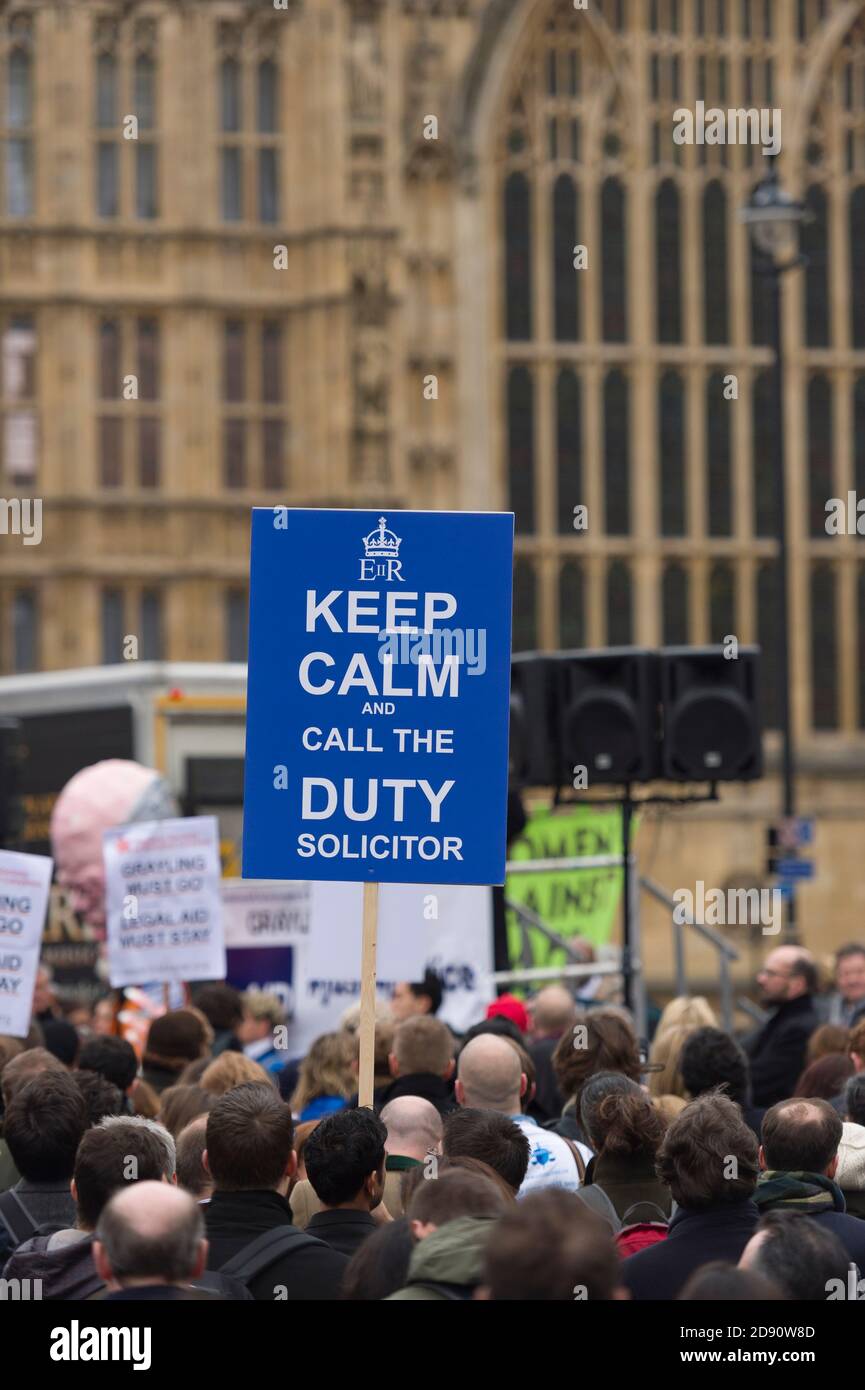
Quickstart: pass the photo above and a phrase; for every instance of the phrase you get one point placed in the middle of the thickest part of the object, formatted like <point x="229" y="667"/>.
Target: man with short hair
<point x="43" y="1128"/>
<point x="846" y="1004"/>
<point x="150" y="1244"/>
<point x="709" y="1059"/>
<point x="251" y="1159"/>
<point x="490" y="1077"/>
<point x="113" y="1058"/>
<point x="551" y="1248"/>
<point x="799" y="1159"/>
<point x="554" y="1014"/>
<point x="109" y="1157"/>
<point x="708" y="1159"/>
<point x="491" y="1137"/>
<point x="100" y="1097"/>
<point x="788" y="983"/>
<point x="344" y="1158"/>
<point x="424" y="997"/>
<point x="16" y="1073"/>
<point x="422" y="1063"/>
<point x="192" y="1175"/>
<point x="414" y="1130"/>
<point x="451" y="1218"/>
<point x="798" y="1255"/>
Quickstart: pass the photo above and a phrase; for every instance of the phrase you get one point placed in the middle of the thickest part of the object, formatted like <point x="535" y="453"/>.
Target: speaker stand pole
<point x="627" y="944"/>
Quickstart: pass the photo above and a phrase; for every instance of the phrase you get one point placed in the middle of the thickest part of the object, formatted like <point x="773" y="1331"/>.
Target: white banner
<point x="163" y="901"/>
<point x="25" y="881"/>
<point x="445" y="927"/>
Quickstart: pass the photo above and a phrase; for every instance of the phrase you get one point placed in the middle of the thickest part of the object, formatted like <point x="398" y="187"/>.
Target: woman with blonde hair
<point x="232" y="1069"/>
<point x="687" y="1011"/>
<point x="666" y="1086"/>
<point x="327" y="1077"/>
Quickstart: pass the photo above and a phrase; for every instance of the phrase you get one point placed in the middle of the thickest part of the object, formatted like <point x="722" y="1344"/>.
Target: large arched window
<point x="762" y="470"/>
<point x="815" y="240"/>
<point x="719" y="498"/>
<point x="819" y="452"/>
<point x="617" y="507"/>
<point x="716" y="293"/>
<point x="675" y="605"/>
<point x="572" y="623"/>
<point x="518" y="259"/>
<point x="671" y="454"/>
<point x="613" y="267"/>
<point x="668" y="267"/>
<point x="521" y="448"/>
<point x="824" y="649"/>
<point x="569" y="449"/>
<point x="566" y="278"/>
<point x="619" y="616"/>
<point x="525" y="632"/>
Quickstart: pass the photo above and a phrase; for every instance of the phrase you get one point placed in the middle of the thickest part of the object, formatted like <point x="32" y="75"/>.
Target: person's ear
<point x="460" y="1092"/>
<point x="73" y="1188"/>
<point x="761" y="1158"/>
<point x="291" y="1165"/>
<point x="201" y="1259"/>
<point x="482" y="1294"/>
<point x="100" y="1259"/>
<point x="392" y="1064"/>
<point x="524" y="1081"/>
<point x="449" y="1070"/>
<point x="205" y="1163"/>
<point x="833" y="1168"/>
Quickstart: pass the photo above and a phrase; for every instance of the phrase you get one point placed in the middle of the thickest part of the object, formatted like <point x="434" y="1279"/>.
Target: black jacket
<point x="695" y="1238"/>
<point x="777" y="1051"/>
<point x="342" y="1230"/>
<point x="235" y="1219"/>
<point x="426" y="1085"/>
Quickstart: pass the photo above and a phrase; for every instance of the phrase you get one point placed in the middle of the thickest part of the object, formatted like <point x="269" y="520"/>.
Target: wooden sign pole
<point x="366" y="1064"/>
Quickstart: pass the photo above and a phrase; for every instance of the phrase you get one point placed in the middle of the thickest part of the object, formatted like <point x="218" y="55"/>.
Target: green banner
<point x="571" y="902"/>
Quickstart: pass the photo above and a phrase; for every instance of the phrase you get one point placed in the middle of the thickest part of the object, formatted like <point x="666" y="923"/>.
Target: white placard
<point x="163" y="901"/>
<point x="264" y="912"/>
<point x="25" y="880"/>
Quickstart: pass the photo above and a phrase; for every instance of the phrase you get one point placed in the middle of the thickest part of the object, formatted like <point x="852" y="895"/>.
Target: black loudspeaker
<point x="711" y="715"/>
<point x="532" y="754"/>
<point x="12" y="754"/>
<point x="609" y="718"/>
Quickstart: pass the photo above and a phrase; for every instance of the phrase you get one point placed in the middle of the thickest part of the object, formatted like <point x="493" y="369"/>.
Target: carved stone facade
<point x="301" y="259"/>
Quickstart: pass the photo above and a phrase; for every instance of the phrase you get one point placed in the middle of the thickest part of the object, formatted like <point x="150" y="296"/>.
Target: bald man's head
<point x="151" y="1233"/>
<point x="414" y="1127"/>
<point x="490" y="1075"/>
<point x="553" y="1012"/>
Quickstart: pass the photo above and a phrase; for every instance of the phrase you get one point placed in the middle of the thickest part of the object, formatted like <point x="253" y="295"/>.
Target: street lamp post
<point x="774" y="220"/>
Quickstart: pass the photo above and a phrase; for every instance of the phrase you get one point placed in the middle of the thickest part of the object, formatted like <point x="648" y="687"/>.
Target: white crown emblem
<point x="382" y="544"/>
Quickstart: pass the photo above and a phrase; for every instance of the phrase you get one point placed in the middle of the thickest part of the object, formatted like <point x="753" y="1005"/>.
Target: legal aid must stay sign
<point x="379" y="695"/>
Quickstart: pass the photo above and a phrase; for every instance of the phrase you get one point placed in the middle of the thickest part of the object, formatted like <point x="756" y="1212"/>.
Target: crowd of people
<point x="547" y="1154"/>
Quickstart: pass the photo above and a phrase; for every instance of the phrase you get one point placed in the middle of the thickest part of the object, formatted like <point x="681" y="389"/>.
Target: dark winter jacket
<point x="235" y="1219"/>
<point x="63" y="1262"/>
<point x="695" y="1238"/>
<point x="814" y="1195"/>
<point x="777" y="1051"/>
<point x="426" y="1085"/>
<point x="632" y="1186"/>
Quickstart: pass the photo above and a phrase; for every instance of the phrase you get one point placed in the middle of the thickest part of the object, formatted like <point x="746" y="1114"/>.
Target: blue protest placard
<point x="379" y="696"/>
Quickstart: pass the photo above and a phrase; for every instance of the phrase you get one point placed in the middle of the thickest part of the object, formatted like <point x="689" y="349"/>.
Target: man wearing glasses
<point x="787" y="984"/>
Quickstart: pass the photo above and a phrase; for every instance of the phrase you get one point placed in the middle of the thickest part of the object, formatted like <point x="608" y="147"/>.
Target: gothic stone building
<point x="321" y="252"/>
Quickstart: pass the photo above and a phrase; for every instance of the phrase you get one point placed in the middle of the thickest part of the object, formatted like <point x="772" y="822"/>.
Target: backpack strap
<point x="264" y="1250"/>
<point x="654" y="1206"/>
<point x="578" y="1159"/>
<point x="16" y="1218"/>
